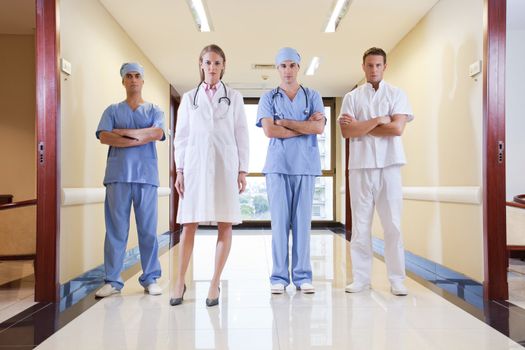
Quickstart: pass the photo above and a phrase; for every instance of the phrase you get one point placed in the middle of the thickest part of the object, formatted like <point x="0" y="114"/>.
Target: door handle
<point x="501" y="149"/>
<point x="41" y="152"/>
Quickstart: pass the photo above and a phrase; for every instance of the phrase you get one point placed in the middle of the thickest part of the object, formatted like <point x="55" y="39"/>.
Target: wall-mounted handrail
<point x="18" y="204"/>
<point x="519" y="201"/>
<point x="520" y="198"/>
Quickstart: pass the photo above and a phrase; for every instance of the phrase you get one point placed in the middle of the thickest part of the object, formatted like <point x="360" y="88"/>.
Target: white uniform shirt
<point x="365" y="103"/>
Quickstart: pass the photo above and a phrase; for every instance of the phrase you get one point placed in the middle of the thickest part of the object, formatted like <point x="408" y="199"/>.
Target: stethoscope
<point x="280" y="94"/>
<point x="224" y="98"/>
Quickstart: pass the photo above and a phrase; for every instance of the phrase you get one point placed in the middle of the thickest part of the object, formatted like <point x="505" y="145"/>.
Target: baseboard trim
<point x="443" y="277"/>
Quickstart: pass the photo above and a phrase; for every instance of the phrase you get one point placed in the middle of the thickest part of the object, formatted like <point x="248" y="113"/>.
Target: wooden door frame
<point x="48" y="145"/>
<point x="495" y="284"/>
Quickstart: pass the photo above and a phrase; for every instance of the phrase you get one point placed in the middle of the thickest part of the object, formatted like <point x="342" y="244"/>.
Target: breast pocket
<point x="383" y="109"/>
<point x="223" y="110"/>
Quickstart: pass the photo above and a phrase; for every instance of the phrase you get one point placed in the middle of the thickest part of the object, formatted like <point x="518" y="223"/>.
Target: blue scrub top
<point x="296" y="155"/>
<point x="132" y="164"/>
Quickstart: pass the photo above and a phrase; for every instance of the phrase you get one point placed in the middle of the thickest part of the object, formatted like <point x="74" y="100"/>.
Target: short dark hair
<point x="376" y="51"/>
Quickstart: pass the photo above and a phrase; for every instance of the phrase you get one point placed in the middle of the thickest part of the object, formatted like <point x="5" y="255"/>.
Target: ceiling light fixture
<point x="198" y="11"/>
<point x="339" y="11"/>
<point x="312" y="67"/>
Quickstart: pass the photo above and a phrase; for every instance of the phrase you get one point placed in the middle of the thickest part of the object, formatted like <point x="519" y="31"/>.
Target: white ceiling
<point x="252" y="31"/>
<point x="17" y="17"/>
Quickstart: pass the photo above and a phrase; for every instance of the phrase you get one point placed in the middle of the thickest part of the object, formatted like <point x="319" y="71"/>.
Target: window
<point x="254" y="202"/>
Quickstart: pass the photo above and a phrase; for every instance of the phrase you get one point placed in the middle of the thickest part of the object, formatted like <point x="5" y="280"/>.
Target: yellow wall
<point x="17" y="116"/>
<point x="443" y="143"/>
<point x="17" y="142"/>
<point x="96" y="46"/>
<point x="18" y="231"/>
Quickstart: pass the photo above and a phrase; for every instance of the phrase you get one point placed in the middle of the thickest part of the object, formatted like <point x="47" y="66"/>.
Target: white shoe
<point x="357" y="287"/>
<point x="398" y="288"/>
<point x="153" y="289"/>
<point x="306" y="288"/>
<point x="278" y="288"/>
<point x="106" y="291"/>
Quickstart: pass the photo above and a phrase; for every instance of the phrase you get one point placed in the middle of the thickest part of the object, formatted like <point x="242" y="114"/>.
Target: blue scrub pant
<point x="117" y="208"/>
<point x="290" y="198"/>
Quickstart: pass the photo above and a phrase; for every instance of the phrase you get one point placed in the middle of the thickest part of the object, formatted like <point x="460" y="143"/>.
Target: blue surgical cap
<point x="287" y="54"/>
<point x="131" y="67"/>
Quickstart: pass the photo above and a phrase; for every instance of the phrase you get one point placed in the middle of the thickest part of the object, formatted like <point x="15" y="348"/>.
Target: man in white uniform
<point x="374" y="117"/>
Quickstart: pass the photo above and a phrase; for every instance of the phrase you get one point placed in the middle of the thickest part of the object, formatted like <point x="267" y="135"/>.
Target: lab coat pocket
<point x="222" y="111"/>
<point x="191" y="159"/>
<point x="231" y="159"/>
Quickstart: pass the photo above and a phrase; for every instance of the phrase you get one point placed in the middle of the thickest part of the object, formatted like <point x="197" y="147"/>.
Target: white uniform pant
<point x="382" y="188"/>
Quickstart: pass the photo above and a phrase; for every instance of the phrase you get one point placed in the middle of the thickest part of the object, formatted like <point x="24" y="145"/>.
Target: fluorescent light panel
<point x="339" y="11"/>
<point x="199" y="15"/>
<point x="312" y="67"/>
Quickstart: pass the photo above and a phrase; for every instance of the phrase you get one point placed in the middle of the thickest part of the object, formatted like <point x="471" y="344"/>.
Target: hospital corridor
<point x="251" y="318"/>
<point x="231" y="175"/>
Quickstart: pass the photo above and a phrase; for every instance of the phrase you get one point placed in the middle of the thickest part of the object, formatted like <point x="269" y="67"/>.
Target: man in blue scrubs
<point x="292" y="116"/>
<point x="131" y="128"/>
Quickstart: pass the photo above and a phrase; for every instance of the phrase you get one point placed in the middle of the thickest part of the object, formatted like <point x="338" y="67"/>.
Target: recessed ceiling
<point x="251" y="32"/>
<point x="17" y="17"/>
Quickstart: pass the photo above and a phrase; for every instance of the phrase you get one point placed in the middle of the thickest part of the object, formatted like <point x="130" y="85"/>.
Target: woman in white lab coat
<point x="211" y="156"/>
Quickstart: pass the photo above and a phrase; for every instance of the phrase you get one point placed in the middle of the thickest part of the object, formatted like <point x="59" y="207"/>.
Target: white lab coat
<point x="211" y="146"/>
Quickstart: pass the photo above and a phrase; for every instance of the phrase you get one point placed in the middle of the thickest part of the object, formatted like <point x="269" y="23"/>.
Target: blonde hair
<point x="218" y="51"/>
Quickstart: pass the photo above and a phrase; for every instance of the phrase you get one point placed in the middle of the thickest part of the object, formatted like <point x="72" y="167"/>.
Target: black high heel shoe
<point x="213" y="302"/>
<point x="178" y="301"/>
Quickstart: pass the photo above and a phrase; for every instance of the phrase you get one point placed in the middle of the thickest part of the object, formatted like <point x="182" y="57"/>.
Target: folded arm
<point x="146" y="134"/>
<point x="314" y="125"/>
<point x="394" y="128"/>
<point x="272" y="130"/>
<point x="115" y="140"/>
<point x="351" y="127"/>
<point x="130" y="137"/>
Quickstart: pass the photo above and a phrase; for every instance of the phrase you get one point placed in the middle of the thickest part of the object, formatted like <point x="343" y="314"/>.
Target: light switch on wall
<point x="474" y="68"/>
<point x="65" y="66"/>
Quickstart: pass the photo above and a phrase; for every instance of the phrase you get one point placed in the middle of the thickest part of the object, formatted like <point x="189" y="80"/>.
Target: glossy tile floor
<point x="249" y="317"/>
<point x="516" y="280"/>
<point x="17" y="284"/>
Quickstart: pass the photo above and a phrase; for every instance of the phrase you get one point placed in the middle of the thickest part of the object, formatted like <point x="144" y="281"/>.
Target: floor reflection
<point x="17" y="287"/>
<point x="249" y="317"/>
